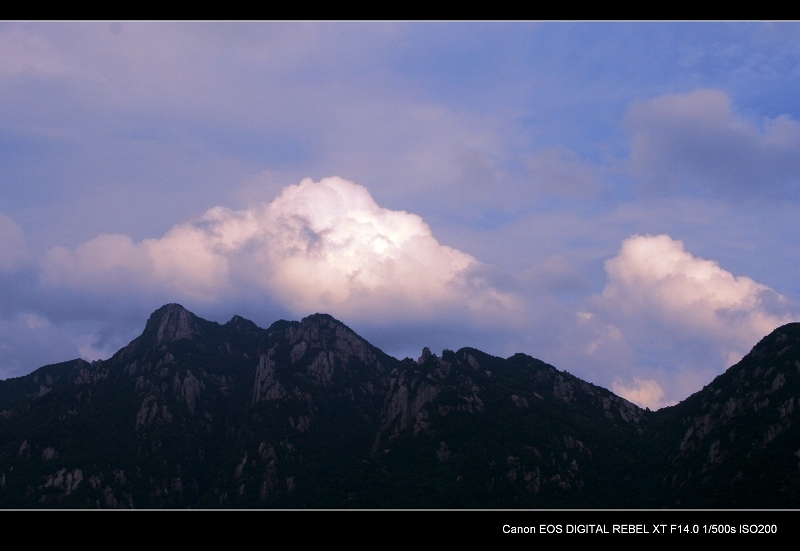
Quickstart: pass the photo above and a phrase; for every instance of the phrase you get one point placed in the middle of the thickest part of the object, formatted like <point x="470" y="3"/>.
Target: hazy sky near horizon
<point x="621" y="200"/>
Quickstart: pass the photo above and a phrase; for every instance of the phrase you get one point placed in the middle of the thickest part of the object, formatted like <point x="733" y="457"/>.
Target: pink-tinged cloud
<point x="646" y="393"/>
<point x="318" y="246"/>
<point x="654" y="281"/>
<point x="667" y="321"/>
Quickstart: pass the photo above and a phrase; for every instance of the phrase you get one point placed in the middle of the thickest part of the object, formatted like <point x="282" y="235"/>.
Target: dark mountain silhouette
<point x="308" y="414"/>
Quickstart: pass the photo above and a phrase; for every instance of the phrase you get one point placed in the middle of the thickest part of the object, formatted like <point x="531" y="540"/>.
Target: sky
<point x="620" y="200"/>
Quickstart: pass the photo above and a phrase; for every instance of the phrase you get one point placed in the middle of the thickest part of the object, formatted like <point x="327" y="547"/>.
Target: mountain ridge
<point x="193" y="413"/>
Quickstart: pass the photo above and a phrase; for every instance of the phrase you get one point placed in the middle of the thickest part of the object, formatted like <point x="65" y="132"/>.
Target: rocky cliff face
<point x="308" y="414"/>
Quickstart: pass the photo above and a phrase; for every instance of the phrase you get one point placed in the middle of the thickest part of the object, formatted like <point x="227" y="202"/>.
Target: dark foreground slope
<point x="736" y="443"/>
<point x="308" y="414"/>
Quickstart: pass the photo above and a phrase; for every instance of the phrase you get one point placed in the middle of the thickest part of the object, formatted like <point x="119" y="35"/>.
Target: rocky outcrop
<point x="267" y="387"/>
<point x="176" y="323"/>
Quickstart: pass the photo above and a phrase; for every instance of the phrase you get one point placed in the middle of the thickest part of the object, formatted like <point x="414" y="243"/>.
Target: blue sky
<point x="617" y="199"/>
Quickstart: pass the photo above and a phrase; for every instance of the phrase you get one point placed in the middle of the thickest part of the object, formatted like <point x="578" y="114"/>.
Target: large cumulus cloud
<point x="654" y="277"/>
<point x="318" y="246"/>
<point x="663" y="307"/>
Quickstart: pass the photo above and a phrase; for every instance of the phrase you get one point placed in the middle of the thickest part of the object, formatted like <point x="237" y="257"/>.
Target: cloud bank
<point x="696" y="141"/>
<point x="319" y="246"/>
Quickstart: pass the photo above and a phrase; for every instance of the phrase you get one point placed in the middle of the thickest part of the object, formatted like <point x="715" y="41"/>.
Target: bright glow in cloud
<point x="332" y="244"/>
<point x="653" y="279"/>
<point x="319" y="246"/>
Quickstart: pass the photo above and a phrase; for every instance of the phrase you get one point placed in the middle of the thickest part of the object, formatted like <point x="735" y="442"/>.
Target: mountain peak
<point x="780" y="336"/>
<point x="172" y="322"/>
<point x="323" y="323"/>
<point x="321" y="318"/>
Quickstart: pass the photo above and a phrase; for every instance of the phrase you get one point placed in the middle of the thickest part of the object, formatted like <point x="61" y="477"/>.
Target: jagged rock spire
<point x="426" y="353"/>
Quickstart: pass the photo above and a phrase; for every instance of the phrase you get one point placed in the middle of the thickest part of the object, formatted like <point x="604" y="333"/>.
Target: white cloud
<point x="654" y="282"/>
<point x="319" y="246"/>
<point x="682" y="141"/>
<point x="667" y="322"/>
<point x="331" y="244"/>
